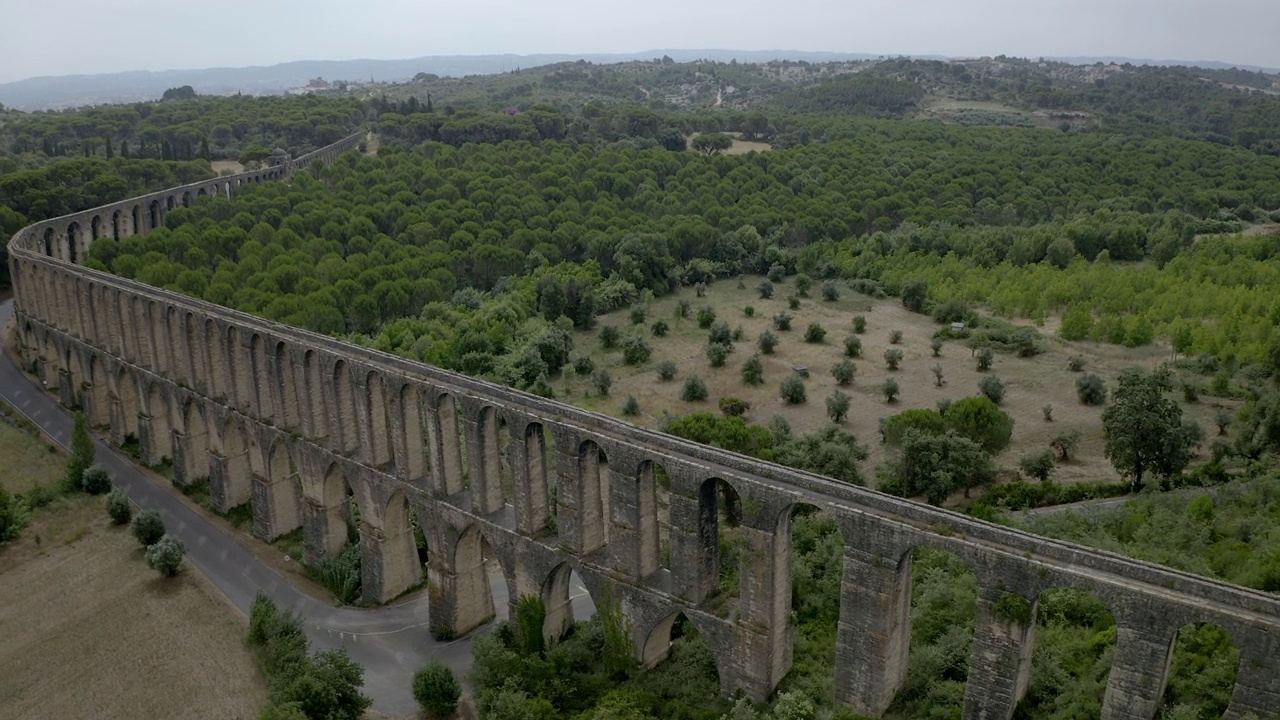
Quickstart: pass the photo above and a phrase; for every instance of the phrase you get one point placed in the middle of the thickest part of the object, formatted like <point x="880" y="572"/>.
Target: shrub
<point x="843" y="372"/>
<point x="765" y="288"/>
<point x="753" y="371"/>
<point x="782" y="321"/>
<point x="720" y="333"/>
<point x="602" y="381"/>
<point x="1037" y="465"/>
<point x="749" y="311"/>
<point x="1065" y="443"/>
<point x="1075" y="363"/>
<point x="793" y="390"/>
<point x="637" y="315"/>
<point x="793" y="302"/>
<point x="837" y="406"/>
<point x="631" y="407"/>
<point x="890" y="390"/>
<point x="682" y="308"/>
<point x="1091" y="389"/>
<point x="436" y="689"/>
<point x="14" y="515"/>
<point x="706" y="316"/>
<point x="776" y="272"/>
<point x="148" y="527"/>
<point x="666" y="370"/>
<point x="660" y="328"/>
<point x="717" y="353"/>
<point x="82" y="455"/>
<point x="985" y="358"/>
<point x="635" y="350"/>
<point x="734" y="407"/>
<point x="943" y="406"/>
<point x="938" y="380"/>
<point x="936" y="346"/>
<point x="739" y="334"/>
<point x="96" y="481"/>
<point x="893" y="358"/>
<point x="980" y="420"/>
<point x="815" y="333"/>
<point x="859" y="324"/>
<point x="895" y="337"/>
<point x="830" y="291"/>
<point x="803" y="283"/>
<point x="700" y="289"/>
<point x="853" y="346"/>
<point x="694" y="389"/>
<point x="583" y="365"/>
<point x="918" y="419"/>
<point x="1190" y="392"/>
<point x="993" y="388"/>
<point x="915" y="293"/>
<point x="165" y="555"/>
<point x="609" y="337"/>
<point x="767" y="342"/>
<point x="118" y="507"/>
<point x="1223" y="419"/>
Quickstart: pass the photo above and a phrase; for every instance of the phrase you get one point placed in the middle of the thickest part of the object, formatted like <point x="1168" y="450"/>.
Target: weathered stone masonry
<point x="306" y="429"/>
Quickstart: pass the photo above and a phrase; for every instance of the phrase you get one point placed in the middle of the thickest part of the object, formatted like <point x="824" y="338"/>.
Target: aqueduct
<point x="300" y="426"/>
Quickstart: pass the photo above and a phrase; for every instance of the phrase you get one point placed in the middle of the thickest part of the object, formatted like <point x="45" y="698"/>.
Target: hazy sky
<point x="58" y="37"/>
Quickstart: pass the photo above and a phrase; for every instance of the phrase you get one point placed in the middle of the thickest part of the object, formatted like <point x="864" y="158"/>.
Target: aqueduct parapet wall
<point x="304" y="428"/>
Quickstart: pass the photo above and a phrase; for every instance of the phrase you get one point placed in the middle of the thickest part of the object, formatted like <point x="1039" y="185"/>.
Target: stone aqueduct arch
<point x="292" y="422"/>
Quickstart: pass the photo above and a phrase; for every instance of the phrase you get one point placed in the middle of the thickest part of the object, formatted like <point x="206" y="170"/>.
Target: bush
<point x="938" y="380"/>
<point x="82" y="455"/>
<point x="96" y="481"/>
<point x="602" y="381"/>
<point x="793" y="302"/>
<point x="753" y="371"/>
<point x="895" y="337"/>
<point x="14" y="515"/>
<point x="436" y="689"/>
<point x="1065" y="443"/>
<point x="765" y="288"/>
<point x="853" y="346"/>
<point x="148" y="527"/>
<point x="782" y="321"/>
<point x="985" y="358"/>
<point x="918" y="419"/>
<point x="793" y="390"/>
<point x="815" y="333"/>
<point x="749" y="311"/>
<point x="1076" y="363"/>
<point x="893" y="358"/>
<point x="637" y="315"/>
<point x="859" y="324"/>
<point x="666" y="370"/>
<point x="694" y="389"/>
<point x="803" y="283"/>
<point x="890" y="390"/>
<point x="635" y="350"/>
<point x="165" y="555"/>
<point x="739" y="334"/>
<point x="993" y="388"/>
<point x="706" y="316"/>
<point x="734" y="407"/>
<point x="631" y="407"/>
<point x="609" y="337"/>
<point x="660" y="328"/>
<point x="777" y="272"/>
<point x="830" y="291"/>
<point x="720" y="333"/>
<point x="1223" y="419"/>
<point x="978" y="419"/>
<point x="700" y="289"/>
<point x="1190" y="392"/>
<point x="583" y="365"/>
<point x="767" y="342"/>
<point x="340" y="574"/>
<point x="682" y="308"/>
<point x="118" y="507"/>
<point x="843" y="372"/>
<point x="837" y="406"/>
<point x="1091" y="389"/>
<point x="915" y="293"/>
<point x="936" y="346"/>
<point x="1037" y="465"/>
<point x="717" y="353"/>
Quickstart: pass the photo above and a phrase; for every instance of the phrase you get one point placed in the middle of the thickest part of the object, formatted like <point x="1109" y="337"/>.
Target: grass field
<point x="87" y="630"/>
<point x="1031" y="383"/>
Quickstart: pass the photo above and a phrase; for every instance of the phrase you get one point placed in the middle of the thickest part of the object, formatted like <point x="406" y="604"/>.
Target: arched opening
<point x="415" y="456"/>
<point x="694" y="668"/>
<point x="238" y="468"/>
<point x="283" y="497"/>
<point x="48" y="241"/>
<point x="260" y="392"/>
<point x="196" y="437"/>
<point x="175" y="338"/>
<point x="95" y="228"/>
<point x="541" y="503"/>
<point x="379" y="435"/>
<point x="565" y="598"/>
<point x="115" y="225"/>
<point x="161" y="425"/>
<point x="453" y="478"/>
<point x="170" y="203"/>
<point x="73" y="242"/>
<point x="227" y="187"/>
<point x="401" y="569"/>
<point x="288" y="386"/>
<point x="720" y="543"/>
<point x="154" y="215"/>
<point x="186" y="199"/>
<point x="317" y="412"/>
<point x="196" y="348"/>
<point x="345" y="412"/>
<point x="201" y="193"/>
<point x="127" y="394"/>
<point x="99" y="394"/>
<point x="240" y="368"/>
<point x="163" y="362"/>
<point x="136" y="214"/>
<point x="593" y="484"/>
<point x="944" y="598"/>
<point x="810" y="564"/>
<point x="492" y="469"/>
<point x="651" y="483"/>
<point x="341" y="513"/>
<point x="1075" y="635"/>
<point x="1202" y="673"/>
<point x="480" y="580"/>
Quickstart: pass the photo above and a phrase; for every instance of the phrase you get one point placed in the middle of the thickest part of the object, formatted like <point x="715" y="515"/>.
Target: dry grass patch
<point x="1031" y="383"/>
<point x="27" y="462"/>
<point x="88" y="630"/>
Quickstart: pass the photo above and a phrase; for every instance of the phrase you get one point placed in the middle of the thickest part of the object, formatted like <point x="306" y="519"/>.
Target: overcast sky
<point x="59" y="37"/>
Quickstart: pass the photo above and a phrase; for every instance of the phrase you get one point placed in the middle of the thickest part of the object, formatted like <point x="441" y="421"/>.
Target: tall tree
<point x="1143" y="427"/>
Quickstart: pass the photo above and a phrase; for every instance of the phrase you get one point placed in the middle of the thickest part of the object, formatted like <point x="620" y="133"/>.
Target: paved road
<point x="390" y="642"/>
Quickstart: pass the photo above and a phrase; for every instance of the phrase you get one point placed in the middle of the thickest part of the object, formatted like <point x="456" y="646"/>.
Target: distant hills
<point x="77" y="90"/>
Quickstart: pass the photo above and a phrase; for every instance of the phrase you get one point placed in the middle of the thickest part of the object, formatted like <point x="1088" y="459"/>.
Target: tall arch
<point x="155" y="327"/>
<point x="719" y="512"/>
<point x="288" y="386"/>
<point x="73" y="243"/>
<point x="339" y="527"/>
<point x="415" y="456"/>
<point x="161" y="425"/>
<point x="487" y="476"/>
<point x="95" y="228"/>
<point x="99" y="393"/>
<point x="558" y="596"/>
<point x="49" y="242"/>
<point x="136" y="215"/>
<point x="115" y="225"/>
<point x="379" y="440"/>
<point x="345" y="408"/>
<point x="195" y="440"/>
<point x="451" y="475"/>
<point x="317" y="411"/>
<point x="196" y="349"/>
<point x="400" y="567"/>
<point x="176" y="339"/>
<point x="127" y="395"/>
<point x="593" y="489"/>
<point x="240" y="368"/>
<point x="471" y="561"/>
<point x="647" y="541"/>
<point x="262" y="387"/>
<point x="539" y="510"/>
<point x="282" y="512"/>
<point x="1203" y="665"/>
<point x="238" y="466"/>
